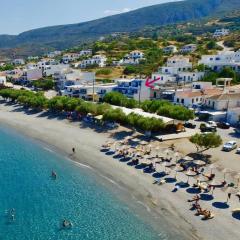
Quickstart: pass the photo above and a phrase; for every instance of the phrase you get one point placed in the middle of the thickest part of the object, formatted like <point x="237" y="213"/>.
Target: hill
<point x="65" y="36"/>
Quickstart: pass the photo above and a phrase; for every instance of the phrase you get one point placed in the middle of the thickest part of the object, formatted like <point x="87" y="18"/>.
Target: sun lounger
<point x="208" y="216"/>
<point x="163" y="181"/>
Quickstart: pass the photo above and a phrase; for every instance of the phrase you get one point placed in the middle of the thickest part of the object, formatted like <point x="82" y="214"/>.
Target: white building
<point x="221" y="33"/>
<point x="99" y="60"/>
<point x="3" y="80"/>
<point x="54" y="54"/>
<point x="69" y="77"/>
<point x="223" y="102"/>
<point x="177" y="69"/>
<point x="18" y="61"/>
<point x="88" y="91"/>
<point x="87" y="52"/>
<point x="136" y="54"/>
<point x="133" y="58"/>
<point x="70" y="57"/>
<point x="30" y="58"/>
<point x="31" y="74"/>
<point x="170" y="49"/>
<point x="133" y="88"/>
<point x="196" y="95"/>
<point x="222" y="59"/>
<point x="188" y="48"/>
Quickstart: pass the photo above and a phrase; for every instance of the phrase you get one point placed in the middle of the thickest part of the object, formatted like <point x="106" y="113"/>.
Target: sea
<point x="39" y="204"/>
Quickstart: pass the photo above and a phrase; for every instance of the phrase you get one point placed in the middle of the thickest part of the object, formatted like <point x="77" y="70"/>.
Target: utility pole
<point x="94" y="78"/>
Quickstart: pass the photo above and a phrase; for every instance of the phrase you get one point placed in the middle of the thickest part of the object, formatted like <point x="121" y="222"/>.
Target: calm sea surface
<point x="41" y="203"/>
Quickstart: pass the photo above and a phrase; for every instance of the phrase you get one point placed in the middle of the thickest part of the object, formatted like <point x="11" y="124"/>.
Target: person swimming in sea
<point x="54" y="175"/>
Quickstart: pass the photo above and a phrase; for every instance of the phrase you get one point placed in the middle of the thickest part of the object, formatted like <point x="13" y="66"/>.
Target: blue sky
<point x="22" y="15"/>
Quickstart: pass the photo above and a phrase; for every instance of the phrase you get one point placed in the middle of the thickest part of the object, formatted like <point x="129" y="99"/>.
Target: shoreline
<point x="61" y="135"/>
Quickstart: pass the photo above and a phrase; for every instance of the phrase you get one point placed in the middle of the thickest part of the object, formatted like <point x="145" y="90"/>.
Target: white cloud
<point x="112" y="12"/>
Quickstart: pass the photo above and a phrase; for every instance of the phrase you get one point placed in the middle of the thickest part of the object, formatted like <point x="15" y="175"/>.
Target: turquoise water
<point x="41" y="203"/>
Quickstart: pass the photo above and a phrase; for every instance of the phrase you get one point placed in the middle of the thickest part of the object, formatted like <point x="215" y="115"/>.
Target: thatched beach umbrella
<point x="202" y="179"/>
<point x="143" y="143"/>
<point x="212" y="167"/>
<point x="190" y="173"/>
<point x="237" y="177"/>
<point x="166" y="164"/>
<point x="199" y="162"/>
<point x="230" y="191"/>
<point x="177" y="169"/>
<point x="225" y="171"/>
<point x="188" y="159"/>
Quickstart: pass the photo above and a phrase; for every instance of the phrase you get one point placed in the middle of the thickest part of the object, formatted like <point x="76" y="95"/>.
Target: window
<point x="182" y="101"/>
<point x="178" y="100"/>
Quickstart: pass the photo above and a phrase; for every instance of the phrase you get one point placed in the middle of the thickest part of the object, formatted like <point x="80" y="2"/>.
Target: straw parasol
<point x="238" y="179"/>
<point x="202" y="179"/>
<point x="230" y="191"/>
<point x="187" y="158"/>
<point x="216" y="182"/>
<point x="199" y="162"/>
<point x="143" y="143"/>
<point x="177" y="169"/>
<point x="212" y="166"/>
<point x="167" y="164"/>
<point x="225" y="171"/>
<point x="190" y="173"/>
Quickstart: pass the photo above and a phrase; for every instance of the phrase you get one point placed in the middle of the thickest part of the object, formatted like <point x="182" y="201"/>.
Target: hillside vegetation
<point x="65" y="36"/>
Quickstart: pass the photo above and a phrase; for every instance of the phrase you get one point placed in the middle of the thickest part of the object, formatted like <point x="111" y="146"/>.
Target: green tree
<point x="206" y="141"/>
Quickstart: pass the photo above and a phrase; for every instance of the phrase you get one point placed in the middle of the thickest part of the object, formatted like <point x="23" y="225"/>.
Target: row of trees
<point x="161" y="107"/>
<point x="62" y="103"/>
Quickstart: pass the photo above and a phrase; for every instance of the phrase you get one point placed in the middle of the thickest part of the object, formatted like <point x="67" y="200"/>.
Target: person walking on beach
<point x="73" y="150"/>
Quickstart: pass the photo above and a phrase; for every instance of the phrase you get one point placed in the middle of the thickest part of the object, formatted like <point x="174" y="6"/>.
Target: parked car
<point x="229" y="146"/>
<point x="223" y="125"/>
<point x="212" y="123"/>
<point x="189" y="125"/>
<point x="207" y="128"/>
<point x="238" y="151"/>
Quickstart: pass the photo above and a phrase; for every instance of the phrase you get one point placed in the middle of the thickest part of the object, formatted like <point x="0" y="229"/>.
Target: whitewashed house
<point x="189" y="48"/>
<point x="99" y="60"/>
<point x="196" y="95"/>
<point x="170" y="49"/>
<point x="88" y="91"/>
<point x="70" y="57"/>
<point x="69" y="77"/>
<point x="3" y="80"/>
<point x="53" y="54"/>
<point x="222" y="59"/>
<point x="87" y="52"/>
<point x="221" y="33"/>
<point x="133" y="58"/>
<point x="32" y="74"/>
<point x="18" y="61"/>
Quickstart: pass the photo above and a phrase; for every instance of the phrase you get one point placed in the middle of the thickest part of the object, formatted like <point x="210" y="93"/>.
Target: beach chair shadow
<point x="126" y="159"/>
<point x="193" y="190"/>
<point x="182" y="184"/>
<point x="140" y="166"/>
<point x="109" y="153"/>
<point x="170" y="180"/>
<point x="148" y="170"/>
<point x="220" y="205"/>
<point x="206" y="197"/>
<point x="159" y="174"/>
<point x="236" y="215"/>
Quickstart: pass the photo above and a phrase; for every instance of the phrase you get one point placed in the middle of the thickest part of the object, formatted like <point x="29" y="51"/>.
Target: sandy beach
<point x="160" y="201"/>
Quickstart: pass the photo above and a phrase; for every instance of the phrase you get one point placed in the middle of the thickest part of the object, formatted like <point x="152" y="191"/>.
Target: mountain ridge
<point x="64" y="36"/>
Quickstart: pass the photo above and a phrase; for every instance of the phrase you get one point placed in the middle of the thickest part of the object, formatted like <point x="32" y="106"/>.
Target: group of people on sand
<point x="206" y="214"/>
